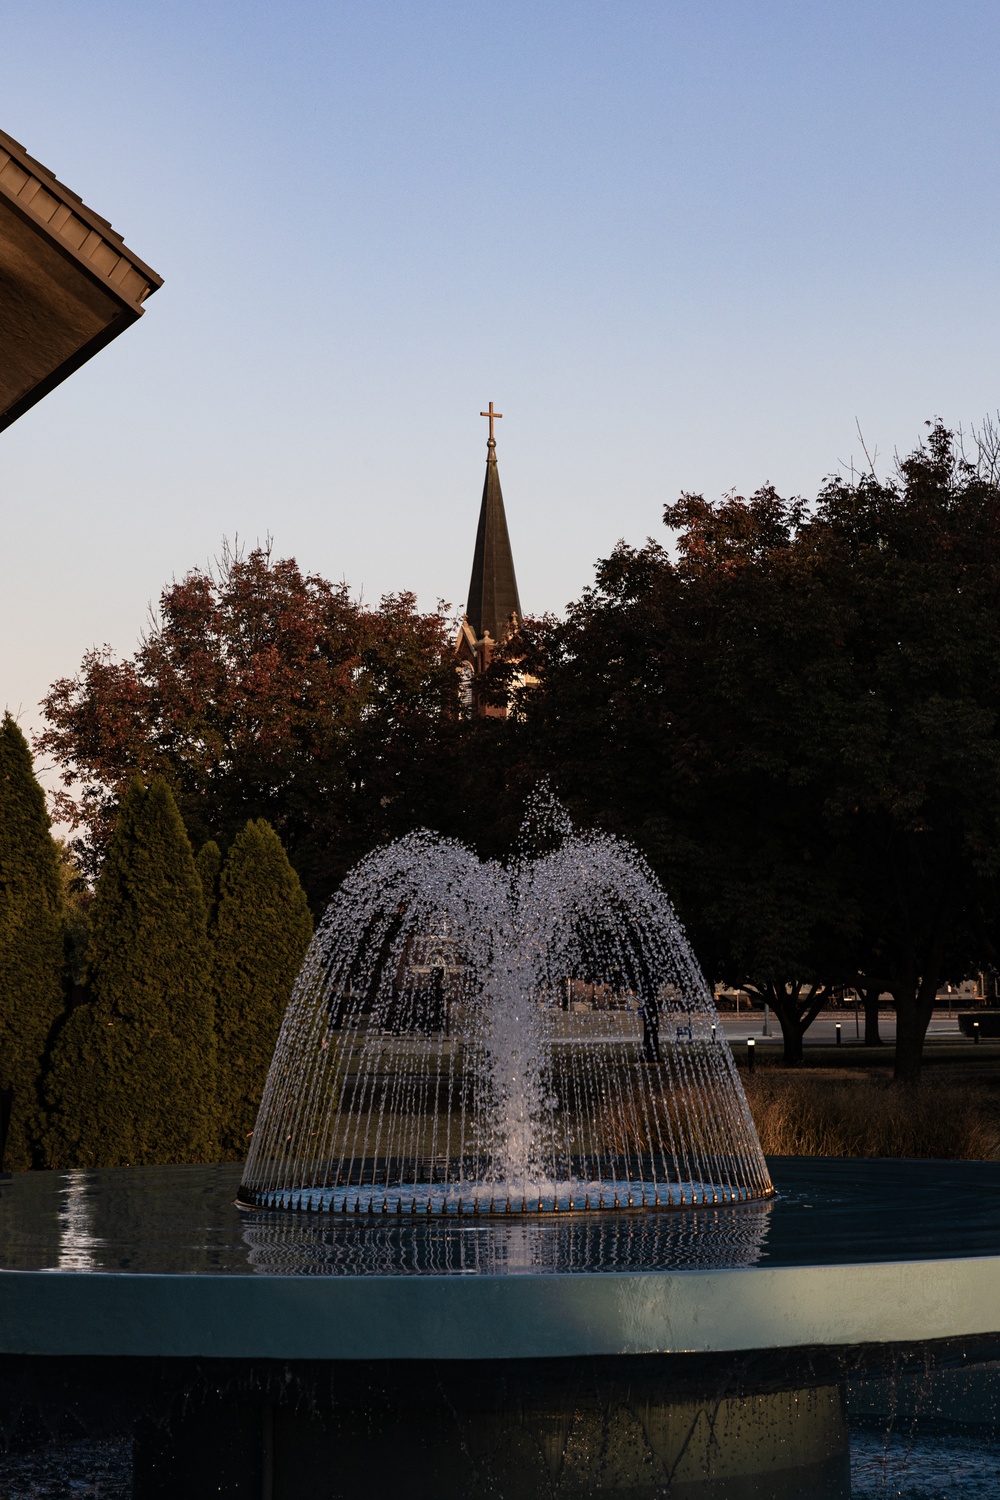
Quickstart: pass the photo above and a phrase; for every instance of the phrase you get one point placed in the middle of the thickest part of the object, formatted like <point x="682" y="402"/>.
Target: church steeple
<point x="493" y="588"/>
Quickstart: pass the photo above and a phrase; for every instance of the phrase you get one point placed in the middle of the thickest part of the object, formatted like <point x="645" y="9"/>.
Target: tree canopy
<point x="798" y="719"/>
<point x="261" y="692"/>
<point x="792" y="708"/>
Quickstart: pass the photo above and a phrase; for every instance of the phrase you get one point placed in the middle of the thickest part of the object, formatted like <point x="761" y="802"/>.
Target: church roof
<point x="493" y="587"/>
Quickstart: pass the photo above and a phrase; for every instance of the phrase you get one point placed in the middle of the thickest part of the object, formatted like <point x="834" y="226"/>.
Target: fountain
<point x="504" y="1230"/>
<point x="433" y="1060"/>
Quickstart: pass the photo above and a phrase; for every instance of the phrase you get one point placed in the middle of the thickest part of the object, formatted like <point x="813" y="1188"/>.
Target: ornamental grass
<point x="839" y="1112"/>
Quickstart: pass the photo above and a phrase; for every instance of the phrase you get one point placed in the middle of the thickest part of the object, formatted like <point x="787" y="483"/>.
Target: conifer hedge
<point x="31" y="941"/>
<point x="133" y="1070"/>
<point x="261" y="932"/>
<point x="208" y="863"/>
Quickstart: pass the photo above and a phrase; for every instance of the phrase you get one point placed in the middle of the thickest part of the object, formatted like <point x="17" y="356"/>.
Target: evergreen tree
<point x="31" y="940"/>
<point x="76" y="899"/>
<point x="209" y="866"/>
<point x="132" y="1076"/>
<point x="262" y="931"/>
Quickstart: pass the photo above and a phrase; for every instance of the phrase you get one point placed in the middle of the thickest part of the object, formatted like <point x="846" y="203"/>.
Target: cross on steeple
<point x="493" y="416"/>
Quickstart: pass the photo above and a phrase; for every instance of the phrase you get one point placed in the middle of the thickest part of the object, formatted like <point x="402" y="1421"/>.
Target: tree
<point x="208" y="863"/>
<point x="648" y="720"/>
<point x="261" y="933"/>
<point x="871" y="992"/>
<point x="262" y="692"/>
<point x="132" y="1078"/>
<point x="31" y="941"/>
<point x="798" y="720"/>
<point x="796" y="1003"/>
<point x="910" y="756"/>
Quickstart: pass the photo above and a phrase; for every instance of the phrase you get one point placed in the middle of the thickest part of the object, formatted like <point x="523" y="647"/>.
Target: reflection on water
<point x="77" y="1242"/>
<point x="924" y="1466"/>
<point x="184" y="1221"/>
<point x="306" y="1244"/>
<point x="903" y="1466"/>
<point x="937" y="1466"/>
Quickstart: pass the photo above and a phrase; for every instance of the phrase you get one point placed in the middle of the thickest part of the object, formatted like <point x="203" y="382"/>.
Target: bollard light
<point x="713" y="1033"/>
<point x="839" y="1037"/>
<point x="975" y="1032"/>
<point x="751" y="1053"/>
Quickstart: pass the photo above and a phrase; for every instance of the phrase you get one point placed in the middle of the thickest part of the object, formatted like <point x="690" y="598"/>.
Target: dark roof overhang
<point x="68" y="282"/>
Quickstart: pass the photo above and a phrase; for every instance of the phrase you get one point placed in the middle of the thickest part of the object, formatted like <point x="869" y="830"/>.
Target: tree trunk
<point x="794" y="1016"/>
<point x="914" y="1004"/>
<point x="870" y="998"/>
<point x="792" y="1031"/>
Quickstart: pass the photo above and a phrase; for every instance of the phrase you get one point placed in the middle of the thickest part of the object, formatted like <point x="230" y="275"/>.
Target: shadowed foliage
<point x="208" y="863"/>
<point x="260" y="935"/>
<point x="793" y="711"/>
<point x="31" y="940"/>
<point x="132" y="1076"/>
<point x="797" y="719"/>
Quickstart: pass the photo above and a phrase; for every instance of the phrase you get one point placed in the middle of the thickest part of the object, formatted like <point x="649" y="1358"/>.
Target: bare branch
<point x="868" y="456"/>
<point x="986" y="438"/>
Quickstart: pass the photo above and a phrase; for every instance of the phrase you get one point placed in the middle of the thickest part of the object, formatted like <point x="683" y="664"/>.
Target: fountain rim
<point x="399" y="1214"/>
<point x="917" y="1294"/>
<point x="486" y="1317"/>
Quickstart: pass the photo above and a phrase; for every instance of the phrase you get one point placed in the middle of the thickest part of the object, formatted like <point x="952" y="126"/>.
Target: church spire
<point x="493" y="587"/>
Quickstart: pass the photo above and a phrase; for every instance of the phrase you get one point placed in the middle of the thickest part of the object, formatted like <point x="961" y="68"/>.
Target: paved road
<point x="823" y="1030"/>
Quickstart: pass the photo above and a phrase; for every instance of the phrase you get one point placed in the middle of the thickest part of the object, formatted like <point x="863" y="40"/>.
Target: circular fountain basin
<point x="158" y="1261"/>
<point x="702" y="1352"/>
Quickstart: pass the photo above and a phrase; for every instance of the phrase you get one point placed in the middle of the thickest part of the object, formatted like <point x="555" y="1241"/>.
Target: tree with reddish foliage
<point x="798" y="721"/>
<point x="261" y="692"/>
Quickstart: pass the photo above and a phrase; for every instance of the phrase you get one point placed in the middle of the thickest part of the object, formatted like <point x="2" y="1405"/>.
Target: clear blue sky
<point x="680" y="245"/>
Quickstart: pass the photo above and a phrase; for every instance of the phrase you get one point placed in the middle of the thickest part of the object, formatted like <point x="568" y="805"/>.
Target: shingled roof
<point x="68" y="282"/>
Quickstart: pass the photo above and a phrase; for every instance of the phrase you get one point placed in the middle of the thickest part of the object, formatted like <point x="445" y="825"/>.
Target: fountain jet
<point x="471" y="1038"/>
